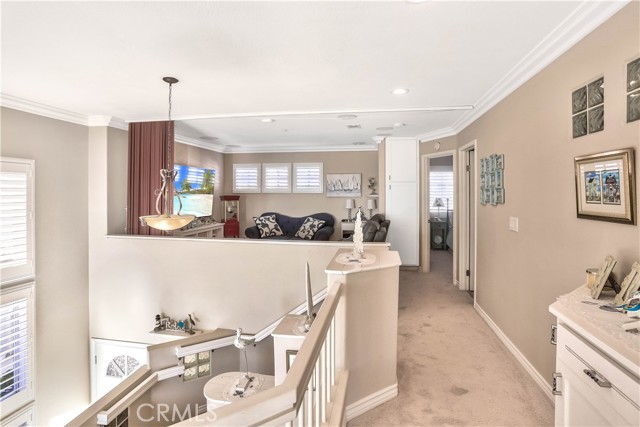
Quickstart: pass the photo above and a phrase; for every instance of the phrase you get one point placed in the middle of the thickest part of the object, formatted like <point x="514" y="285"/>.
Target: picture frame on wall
<point x="605" y="186"/>
<point x="344" y="185"/>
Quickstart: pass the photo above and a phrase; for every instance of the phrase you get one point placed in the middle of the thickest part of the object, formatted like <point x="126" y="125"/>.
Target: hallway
<point x="452" y="369"/>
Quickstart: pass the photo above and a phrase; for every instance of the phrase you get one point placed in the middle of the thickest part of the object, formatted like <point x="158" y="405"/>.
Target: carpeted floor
<point x="452" y="369"/>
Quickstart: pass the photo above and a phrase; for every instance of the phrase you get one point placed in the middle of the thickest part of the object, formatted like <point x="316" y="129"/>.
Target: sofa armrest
<point x="252" y="232"/>
<point x="324" y="233"/>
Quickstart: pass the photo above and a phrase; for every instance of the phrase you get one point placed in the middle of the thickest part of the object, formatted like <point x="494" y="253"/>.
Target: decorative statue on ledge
<point x="165" y="323"/>
<point x="358" y="246"/>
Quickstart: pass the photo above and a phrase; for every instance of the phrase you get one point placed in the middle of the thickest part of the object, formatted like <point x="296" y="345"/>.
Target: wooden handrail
<point x="281" y="403"/>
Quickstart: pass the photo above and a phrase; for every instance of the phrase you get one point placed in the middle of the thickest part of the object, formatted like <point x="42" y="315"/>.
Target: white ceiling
<point x="301" y="63"/>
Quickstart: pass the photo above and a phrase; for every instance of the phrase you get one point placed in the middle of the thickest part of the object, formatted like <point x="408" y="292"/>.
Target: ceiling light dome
<point x="400" y="91"/>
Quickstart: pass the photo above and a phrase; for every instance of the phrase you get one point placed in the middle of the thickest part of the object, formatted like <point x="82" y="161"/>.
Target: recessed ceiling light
<point x="400" y="91"/>
<point x="232" y="146"/>
<point x="209" y="138"/>
<point x="384" y="128"/>
<point x="354" y="127"/>
<point x="385" y="134"/>
<point x="267" y="120"/>
<point x="398" y="125"/>
<point x="347" y="116"/>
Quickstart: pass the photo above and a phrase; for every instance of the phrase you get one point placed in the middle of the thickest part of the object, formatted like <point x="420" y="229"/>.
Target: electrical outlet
<point x="513" y="223"/>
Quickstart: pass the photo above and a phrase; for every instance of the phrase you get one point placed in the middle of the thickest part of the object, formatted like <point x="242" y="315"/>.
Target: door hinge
<point x="468" y="273"/>
<point x="555" y="389"/>
<point x="468" y="168"/>
<point x="554" y="334"/>
<point x="95" y="360"/>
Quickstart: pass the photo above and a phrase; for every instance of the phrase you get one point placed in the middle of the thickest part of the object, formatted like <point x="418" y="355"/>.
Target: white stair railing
<point x="313" y="392"/>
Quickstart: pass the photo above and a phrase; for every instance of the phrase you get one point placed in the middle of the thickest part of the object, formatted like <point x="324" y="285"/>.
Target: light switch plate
<point x="513" y="223"/>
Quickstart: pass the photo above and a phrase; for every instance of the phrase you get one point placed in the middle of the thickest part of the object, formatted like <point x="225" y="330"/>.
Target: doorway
<point x="468" y="213"/>
<point x="439" y="207"/>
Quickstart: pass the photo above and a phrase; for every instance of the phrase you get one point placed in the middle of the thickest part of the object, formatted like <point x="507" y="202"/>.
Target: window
<point x="16" y="219"/>
<point x="307" y="178"/>
<point x="440" y="185"/>
<point x="276" y="178"/>
<point x="16" y="347"/>
<point x="246" y="178"/>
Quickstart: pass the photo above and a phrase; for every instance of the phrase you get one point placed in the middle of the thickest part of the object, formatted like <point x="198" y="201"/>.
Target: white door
<point x="113" y="361"/>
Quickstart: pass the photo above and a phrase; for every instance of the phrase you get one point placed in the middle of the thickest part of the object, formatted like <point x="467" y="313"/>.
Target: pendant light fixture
<point x="165" y="220"/>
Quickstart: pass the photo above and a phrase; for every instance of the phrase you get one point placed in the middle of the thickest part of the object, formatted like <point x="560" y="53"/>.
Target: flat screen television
<point x="196" y="186"/>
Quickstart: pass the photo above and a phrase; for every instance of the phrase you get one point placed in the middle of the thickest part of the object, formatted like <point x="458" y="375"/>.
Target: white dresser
<point x="597" y="378"/>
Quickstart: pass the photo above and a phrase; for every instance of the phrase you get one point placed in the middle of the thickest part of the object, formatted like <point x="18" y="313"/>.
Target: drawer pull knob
<point x="595" y="376"/>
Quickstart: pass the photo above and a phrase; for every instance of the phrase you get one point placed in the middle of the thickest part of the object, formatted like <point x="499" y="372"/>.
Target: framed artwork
<point x="605" y="186"/>
<point x="587" y="108"/>
<point x="344" y="185"/>
<point x="633" y="91"/>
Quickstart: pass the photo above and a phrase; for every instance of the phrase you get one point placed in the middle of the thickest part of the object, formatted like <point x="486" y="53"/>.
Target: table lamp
<point x="438" y="203"/>
<point x="348" y="205"/>
<point x="371" y="205"/>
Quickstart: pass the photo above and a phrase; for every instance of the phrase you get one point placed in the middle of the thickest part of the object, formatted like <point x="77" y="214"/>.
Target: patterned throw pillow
<point x="268" y="226"/>
<point x="309" y="228"/>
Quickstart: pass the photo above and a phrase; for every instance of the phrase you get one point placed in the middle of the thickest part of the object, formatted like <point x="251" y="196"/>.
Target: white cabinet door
<point x="402" y="210"/>
<point x="401" y="207"/>
<point x="595" y="390"/>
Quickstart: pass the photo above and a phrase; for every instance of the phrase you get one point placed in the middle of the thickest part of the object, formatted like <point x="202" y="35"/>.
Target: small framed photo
<point x="499" y="196"/>
<point x="494" y="160"/>
<point x="605" y="186"/>
<point x="500" y="162"/>
<point x="498" y="178"/>
<point x="493" y="198"/>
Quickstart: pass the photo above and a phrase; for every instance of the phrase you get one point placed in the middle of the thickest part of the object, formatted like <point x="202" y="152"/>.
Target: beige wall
<point x="62" y="329"/>
<point x="520" y="274"/>
<point x="295" y="204"/>
<point x="117" y="172"/>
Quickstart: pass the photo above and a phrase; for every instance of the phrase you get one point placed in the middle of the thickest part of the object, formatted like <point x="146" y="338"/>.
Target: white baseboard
<point x="368" y="403"/>
<point x="539" y="379"/>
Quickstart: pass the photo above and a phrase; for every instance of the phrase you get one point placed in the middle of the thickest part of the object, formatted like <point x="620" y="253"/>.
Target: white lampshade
<point x="371" y="204"/>
<point x="349" y="204"/>
<point x="438" y="203"/>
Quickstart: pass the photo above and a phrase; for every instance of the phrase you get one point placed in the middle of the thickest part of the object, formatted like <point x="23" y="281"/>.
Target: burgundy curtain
<point x="150" y="149"/>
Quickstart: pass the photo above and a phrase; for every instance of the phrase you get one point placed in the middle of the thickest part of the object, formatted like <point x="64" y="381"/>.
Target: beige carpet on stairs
<point x="452" y="369"/>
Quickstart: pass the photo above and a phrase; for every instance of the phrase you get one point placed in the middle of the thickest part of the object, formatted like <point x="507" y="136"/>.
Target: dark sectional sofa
<point x="290" y="225"/>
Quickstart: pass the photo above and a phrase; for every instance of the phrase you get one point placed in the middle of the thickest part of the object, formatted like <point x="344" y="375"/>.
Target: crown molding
<point x="297" y="149"/>
<point x="440" y="133"/>
<point x="218" y="148"/>
<point x="39" y="109"/>
<point x="586" y="18"/>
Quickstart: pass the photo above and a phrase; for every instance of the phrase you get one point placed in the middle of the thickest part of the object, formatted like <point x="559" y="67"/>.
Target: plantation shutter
<point x="246" y="178"/>
<point x="276" y="178"/>
<point x="307" y="178"/>
<point x="16" y="219"/>
<point x="440" y="185"/>
<point x="16" y="347"/>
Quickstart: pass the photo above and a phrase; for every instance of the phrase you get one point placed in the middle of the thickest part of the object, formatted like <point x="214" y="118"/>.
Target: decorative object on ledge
<point x="372" y="186"/>
<point x="603" y="275"/>
<point x="241" y="342"/>
<point x="166" y="323"/>
<point x="587" y="108"/>
<point x="167" y="221"/>
<point x="633" y="91"/>
<point x="344" y="185"/>
<point x="630" y="285"/>
<point x="358" y="246"/>
<point x="492" y="180"/>
<point x="605" y="186"/>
